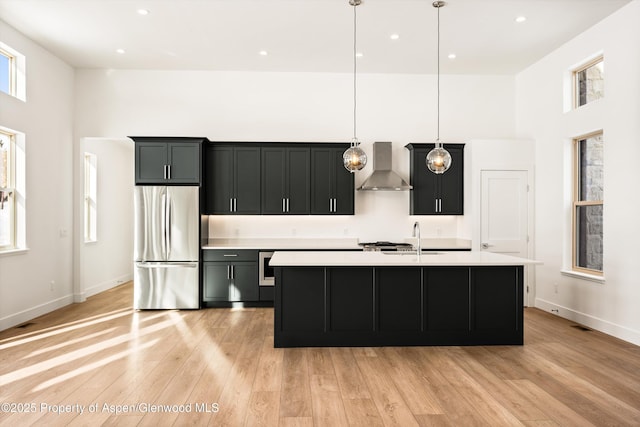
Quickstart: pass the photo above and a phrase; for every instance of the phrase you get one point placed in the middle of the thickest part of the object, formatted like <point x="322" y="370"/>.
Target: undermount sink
<point x="411" y="253"/>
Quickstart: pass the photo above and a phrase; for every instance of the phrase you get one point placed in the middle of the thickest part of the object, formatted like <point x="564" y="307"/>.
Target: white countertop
<point x="323" y="244"/>
<point x="342" y="258"/>
<point x="279" y="243"/>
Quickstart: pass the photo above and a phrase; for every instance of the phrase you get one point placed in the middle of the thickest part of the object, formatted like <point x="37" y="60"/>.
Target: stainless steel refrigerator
<point x="166" y="247"/>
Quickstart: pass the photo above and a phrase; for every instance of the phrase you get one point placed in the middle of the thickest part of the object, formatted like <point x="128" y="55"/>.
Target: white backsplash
<point x="364" y="227"/>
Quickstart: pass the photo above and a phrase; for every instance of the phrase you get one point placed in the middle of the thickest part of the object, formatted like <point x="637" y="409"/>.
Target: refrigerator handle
<point x="164" y="224"/>
<point x="151" y="264"/>
<point x="169" y="211"/>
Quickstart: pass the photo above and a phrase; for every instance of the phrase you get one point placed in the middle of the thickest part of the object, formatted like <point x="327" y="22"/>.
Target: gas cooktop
<point x="386" y="246"/>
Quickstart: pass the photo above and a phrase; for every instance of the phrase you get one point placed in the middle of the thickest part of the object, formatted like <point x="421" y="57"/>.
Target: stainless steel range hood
<point x="383" y="178"/>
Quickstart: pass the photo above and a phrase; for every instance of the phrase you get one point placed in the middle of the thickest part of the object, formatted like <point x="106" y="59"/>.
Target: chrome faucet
<point x="416" y="233"/>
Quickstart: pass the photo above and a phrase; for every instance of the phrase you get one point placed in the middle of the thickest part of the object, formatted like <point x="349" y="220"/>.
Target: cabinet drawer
<point x="230" y="255"/>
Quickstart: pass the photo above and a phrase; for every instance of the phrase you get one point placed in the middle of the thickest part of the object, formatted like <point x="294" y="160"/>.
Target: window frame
<point x="11" y="189"/>
<point x="12" y="65"/>
<point x="578" y="202"/>
<point x="576" y="84"/>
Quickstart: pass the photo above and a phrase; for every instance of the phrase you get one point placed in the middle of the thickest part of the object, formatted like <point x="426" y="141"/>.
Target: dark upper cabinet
<point x="285" y="180"/>
<point x="436" y="194"/>
<point x="167" y="160"/>
<point x="232" y="179"/>
<point x="332" y="186"/>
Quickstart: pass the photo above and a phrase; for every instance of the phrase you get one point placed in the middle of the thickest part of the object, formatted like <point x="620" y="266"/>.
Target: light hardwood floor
<point x="220" y="365"/>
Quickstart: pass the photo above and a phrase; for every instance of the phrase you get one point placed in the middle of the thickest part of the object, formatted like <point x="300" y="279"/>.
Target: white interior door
<point x="505" y="214"/>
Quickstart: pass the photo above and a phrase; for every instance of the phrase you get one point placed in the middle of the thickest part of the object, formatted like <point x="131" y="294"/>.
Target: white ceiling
<point x="303" y="35"/>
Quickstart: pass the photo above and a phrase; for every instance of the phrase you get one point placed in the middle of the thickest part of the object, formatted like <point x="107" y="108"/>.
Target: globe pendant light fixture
<point x="438" y="160"/>
<point x="354" y="158"/>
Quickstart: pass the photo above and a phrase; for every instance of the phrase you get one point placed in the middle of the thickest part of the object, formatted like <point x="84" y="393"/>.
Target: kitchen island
<point x="341" y="298"/>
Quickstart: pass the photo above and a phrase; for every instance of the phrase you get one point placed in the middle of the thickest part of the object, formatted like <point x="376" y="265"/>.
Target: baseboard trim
<point x="621" y="332"/>
<point x="106" y="285"/>
<point x="33" y="312"/>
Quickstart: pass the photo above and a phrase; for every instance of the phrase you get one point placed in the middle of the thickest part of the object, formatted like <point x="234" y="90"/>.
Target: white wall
<point x="108" y="261"/>
<point x="46" y="120"/>
<point x="245" y="106"/>
<point x="610" y="306"/>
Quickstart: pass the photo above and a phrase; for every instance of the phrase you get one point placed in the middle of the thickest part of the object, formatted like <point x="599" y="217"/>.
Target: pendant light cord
<point x="438" y="61"/>
<point x="354" y="73"/>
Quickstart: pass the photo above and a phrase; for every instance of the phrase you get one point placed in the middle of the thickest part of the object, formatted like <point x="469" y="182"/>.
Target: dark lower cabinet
<point x="495" y="302"/>
<point x="378" y="306"/>
<point x="230" y="282"/>
<point x="447" y="299"/>
<point x="302" y="300"/>
<point x="399" y="299"/>
<point x="350" y="299"/>
<point x="230" y="276"/>
<point x="216" y="281"/>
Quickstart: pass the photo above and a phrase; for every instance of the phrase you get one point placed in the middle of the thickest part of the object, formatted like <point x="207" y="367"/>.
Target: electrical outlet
<point x="52" y="285"/>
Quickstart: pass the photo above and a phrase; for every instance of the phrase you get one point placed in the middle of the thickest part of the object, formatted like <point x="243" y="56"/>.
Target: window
<point x="90" y="197"/>
<point x="12" y="72"/>
<point x="588" y="82"/>
<point x="588" y="203"/>
<point x="7" y="191"/>
<point x="7" y="72"/>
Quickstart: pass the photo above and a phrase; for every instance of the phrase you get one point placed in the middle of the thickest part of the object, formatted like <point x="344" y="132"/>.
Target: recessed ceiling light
<point x="120" y="51"/>
<point x="143" y="12"/>
<point x="452" y="56"/>
<point x="359" y="55"/>
<point x="263" y="53"/>
<point x="521" y="19"/>
<point x="394" y="36"/>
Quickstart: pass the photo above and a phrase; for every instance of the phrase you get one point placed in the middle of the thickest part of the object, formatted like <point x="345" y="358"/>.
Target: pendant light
<point x="354" y="158"/>
<point x="438" y="160"/>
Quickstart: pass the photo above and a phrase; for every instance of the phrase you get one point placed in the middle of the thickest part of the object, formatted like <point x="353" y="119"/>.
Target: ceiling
<point x="303" y="35"/>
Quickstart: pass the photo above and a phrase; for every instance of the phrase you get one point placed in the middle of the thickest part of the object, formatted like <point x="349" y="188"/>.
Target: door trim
<point x="529" y="272"/>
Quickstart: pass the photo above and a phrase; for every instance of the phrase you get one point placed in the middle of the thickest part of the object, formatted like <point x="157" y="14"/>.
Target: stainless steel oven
<point x="267" y="277"/>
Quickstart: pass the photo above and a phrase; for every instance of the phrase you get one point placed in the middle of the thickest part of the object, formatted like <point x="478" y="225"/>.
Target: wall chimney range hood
<point x="383" y="178"/>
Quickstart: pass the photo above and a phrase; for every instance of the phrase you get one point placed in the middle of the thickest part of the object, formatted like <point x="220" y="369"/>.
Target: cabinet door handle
<point x="235" y="204"/>
<point x="168" y="171"/>
<point x="229" y="255"/>
<point x="287" y="204"/>
<point x="228" y="272"/>
<point x="440" y="205"/>
<point x="436" y="205"/>
<point x="284" y="206"/>
<point x="231" y="205"/>
<point x="164" y="171"/>
<point x="335" y="205"/>
<point x="233" y="271"/>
